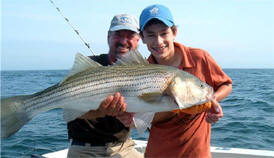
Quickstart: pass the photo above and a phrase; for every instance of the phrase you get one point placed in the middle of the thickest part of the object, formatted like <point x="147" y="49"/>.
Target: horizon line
<point x="69" y="69"/>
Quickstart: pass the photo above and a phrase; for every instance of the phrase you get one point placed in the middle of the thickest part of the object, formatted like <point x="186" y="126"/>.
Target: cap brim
<point x="123" y="27"/>
<point x="164" y="20"/>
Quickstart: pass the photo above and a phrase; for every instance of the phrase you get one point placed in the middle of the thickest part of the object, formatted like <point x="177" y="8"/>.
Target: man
<point x="104" y="132"/>
<point x="180" y="134"/>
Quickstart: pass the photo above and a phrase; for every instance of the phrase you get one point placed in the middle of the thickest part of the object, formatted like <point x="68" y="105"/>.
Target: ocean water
<point x="248" y="113"/>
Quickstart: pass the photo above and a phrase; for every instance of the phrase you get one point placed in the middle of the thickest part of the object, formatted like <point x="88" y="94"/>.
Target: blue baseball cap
<point x="156" y="11"/>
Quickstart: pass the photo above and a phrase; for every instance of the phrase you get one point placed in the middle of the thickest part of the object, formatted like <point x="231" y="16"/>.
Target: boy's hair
<point x="156" y="21"/>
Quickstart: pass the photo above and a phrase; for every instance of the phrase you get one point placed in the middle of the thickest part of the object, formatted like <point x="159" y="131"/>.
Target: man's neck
<point x="111" y="59"/>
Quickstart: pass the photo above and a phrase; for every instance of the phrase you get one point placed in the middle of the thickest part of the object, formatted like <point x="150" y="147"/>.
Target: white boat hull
<point x="217" y="152"/>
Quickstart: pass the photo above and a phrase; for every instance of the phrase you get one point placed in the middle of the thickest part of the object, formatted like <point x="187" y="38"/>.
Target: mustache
<point x="123" y="45"/>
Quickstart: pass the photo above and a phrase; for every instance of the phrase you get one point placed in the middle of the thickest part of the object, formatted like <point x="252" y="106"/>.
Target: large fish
<point x="146" y="88"/>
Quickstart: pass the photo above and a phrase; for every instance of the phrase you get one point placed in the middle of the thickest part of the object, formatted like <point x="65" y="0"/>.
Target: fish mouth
<point x="210" y="94"/>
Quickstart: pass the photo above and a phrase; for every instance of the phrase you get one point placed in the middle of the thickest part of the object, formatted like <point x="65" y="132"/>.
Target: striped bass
<point x="145" y="87"/>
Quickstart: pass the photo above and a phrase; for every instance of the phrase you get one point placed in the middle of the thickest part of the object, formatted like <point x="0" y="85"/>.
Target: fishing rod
<point x="67" y="20"/>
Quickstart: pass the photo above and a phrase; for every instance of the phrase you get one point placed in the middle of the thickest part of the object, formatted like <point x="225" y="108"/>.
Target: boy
<point x="181" y="135"/>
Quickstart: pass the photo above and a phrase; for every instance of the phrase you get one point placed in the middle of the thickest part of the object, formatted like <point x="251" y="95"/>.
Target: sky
<point x="34" y="36"/>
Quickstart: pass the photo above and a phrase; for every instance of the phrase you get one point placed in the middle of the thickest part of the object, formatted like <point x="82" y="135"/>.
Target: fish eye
<point x="202" y="86"/>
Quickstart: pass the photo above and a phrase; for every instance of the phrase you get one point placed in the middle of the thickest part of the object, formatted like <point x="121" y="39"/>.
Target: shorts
<point x="110" y="150"/>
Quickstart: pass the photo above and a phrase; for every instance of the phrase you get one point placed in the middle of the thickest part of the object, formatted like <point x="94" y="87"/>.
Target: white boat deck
<point x="217" y="152"/>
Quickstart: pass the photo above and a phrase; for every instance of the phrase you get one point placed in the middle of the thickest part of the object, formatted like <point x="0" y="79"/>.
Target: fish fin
<point x="174" y="90"/>
<point x="151" y="97"/>
<point x="142" y="121"/>
<point x="133" y="57"/>
<point x="81" y="63"/>
<point x="13" y="116"/>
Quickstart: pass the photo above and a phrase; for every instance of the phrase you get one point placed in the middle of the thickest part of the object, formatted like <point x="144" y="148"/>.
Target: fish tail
<point x="13" y="115"/>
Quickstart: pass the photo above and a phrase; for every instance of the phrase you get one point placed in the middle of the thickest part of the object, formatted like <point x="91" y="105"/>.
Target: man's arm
<point x="223" y="91"/>
<point x="216" y="112"/>
<point x="127" y="119"/>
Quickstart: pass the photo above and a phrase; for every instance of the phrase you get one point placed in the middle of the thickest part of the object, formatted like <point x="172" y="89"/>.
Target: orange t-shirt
<point x="185" y="135"/>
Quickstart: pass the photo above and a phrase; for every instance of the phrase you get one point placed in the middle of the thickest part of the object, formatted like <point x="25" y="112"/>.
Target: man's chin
<point x="122" y="50"/>
<point x="120" y="54"/>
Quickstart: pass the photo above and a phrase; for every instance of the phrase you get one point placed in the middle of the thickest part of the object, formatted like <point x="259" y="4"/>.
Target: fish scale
<point x="102" y="80"/>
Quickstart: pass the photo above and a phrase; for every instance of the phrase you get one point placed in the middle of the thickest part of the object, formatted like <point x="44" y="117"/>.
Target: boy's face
<point x="159" y="40"/>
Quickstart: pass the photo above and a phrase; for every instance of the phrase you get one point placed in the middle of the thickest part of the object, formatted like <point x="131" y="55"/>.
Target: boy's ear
<point x="142" y="37"/>
<point x="174" y="30"/>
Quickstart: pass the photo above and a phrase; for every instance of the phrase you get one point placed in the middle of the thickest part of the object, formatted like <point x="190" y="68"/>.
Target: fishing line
<point x="67" y="20"/>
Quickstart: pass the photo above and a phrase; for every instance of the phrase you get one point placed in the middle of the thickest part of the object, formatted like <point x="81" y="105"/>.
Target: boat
<point x="217" y="152"/>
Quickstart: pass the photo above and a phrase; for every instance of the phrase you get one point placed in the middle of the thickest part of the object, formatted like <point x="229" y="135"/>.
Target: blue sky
<point x="34" y="36"/>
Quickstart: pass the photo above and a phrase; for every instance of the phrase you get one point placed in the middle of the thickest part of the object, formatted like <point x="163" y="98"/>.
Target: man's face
<point x="120" y="42"/>
<point x="159" y="40"/>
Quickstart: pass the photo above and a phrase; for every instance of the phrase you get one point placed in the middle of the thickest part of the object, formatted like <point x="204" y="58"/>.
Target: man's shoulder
<point x="102" y="59"/>
<point x="197" y="51"/>
<point x="192" y="50"/>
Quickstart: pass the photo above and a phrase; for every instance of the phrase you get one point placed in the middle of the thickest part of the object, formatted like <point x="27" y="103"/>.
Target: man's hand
<point x="215" y="113"/>
<point x="112" y="105"/>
